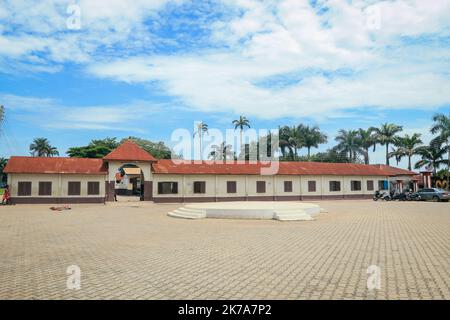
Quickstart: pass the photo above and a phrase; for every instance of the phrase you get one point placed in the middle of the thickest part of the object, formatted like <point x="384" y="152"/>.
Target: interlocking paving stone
<point x="139" y="253"/>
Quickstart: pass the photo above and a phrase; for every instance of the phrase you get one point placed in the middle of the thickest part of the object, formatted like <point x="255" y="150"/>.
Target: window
<point x="288" y="186"/>
<point x="260" y="187"/>
<point x="382" y="185"/>
<point x="370" y="185"/>
<point x="45" y="188"/>
<point x="167" y="187"/>
<point x="311" y="186"/>
<point x="231" y="186"/>
<point x="199" y="187"/>
<point x="24" y="189"/>
<point x="93" y="188"/>
<point x="355" y="185"/>
<point x="74" y="188"/>
<point x="335" y="186"/>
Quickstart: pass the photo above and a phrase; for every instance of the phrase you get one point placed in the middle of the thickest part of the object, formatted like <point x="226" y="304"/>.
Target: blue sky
<point x="146" y="68"/>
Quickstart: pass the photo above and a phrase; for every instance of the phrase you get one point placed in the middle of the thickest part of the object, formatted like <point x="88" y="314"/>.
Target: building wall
<point x="59" y="186"/>
<point x="216" y="187"/>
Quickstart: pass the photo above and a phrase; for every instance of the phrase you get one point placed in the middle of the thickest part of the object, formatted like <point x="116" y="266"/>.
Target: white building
<point x="79" y="180"/>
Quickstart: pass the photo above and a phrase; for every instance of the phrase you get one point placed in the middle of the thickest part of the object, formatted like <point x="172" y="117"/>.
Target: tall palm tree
<point x="312" y="137"/>
<point x="283" y="139"/>
<point x="41" y="148"/>
<point x="222" y="151"/>
<point x="349" y="143"/>
<point x="385" y="135"/>
<point x="201" y="129"/>
<point x="240" y="124"/>
<point x="406" y="147"/>
<point x="441" y="126"/>
<point x="432" y="155"/>
<point x="295" y="138"/>
<point x="367" y="140"/>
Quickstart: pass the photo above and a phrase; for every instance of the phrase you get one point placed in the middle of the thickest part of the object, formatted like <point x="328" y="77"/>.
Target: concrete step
<point x="187" y="214"/>
<point x="292" y="215"/>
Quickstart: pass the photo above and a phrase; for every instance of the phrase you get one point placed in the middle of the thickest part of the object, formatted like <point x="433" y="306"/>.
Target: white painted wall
<point x="216" y="185"/>
<point x="59" y="183"/>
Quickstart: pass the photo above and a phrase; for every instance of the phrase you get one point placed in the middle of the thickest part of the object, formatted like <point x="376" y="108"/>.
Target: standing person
<point x="6" y="196"/>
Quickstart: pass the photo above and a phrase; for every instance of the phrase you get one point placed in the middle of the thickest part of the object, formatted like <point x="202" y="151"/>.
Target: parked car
<point x="434" y="194"/>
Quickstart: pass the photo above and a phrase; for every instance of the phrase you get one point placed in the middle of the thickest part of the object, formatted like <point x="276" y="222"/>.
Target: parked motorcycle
<point x="381" y="196"/>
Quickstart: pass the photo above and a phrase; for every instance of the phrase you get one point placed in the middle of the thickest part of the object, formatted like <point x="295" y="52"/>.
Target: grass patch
<point x="1" y="191"/>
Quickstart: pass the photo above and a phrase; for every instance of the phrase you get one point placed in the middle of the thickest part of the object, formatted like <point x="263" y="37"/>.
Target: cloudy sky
<point x="81" y="69"/>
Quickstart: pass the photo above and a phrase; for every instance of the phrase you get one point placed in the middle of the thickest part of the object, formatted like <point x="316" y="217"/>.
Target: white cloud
<point x="50" y="113"/>
<point x="282" y="38"/>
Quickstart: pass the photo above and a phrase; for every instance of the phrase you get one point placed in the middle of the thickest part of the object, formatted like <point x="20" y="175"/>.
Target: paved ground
<point x="134" y="251"/>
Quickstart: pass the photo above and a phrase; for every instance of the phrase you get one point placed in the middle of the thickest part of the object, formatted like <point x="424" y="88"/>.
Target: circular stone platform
<point x="283" y="211"/>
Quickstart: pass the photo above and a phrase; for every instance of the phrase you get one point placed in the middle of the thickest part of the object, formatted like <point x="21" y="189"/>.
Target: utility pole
<point x="2" y="115"/>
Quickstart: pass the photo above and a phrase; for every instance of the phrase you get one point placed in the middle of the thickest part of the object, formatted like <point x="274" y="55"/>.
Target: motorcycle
<point x="381" y="196"/>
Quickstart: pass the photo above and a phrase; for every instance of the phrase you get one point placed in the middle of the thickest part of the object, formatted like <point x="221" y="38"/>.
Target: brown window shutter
<point x="203" y="187"/>
<point x="311" y="186"/>
<point x="288" y="186"/>
<point x="370" y="185"/>
<point x="260" y="186"/>
<point x="93" y="188"/>
<point x="74" y="188"/>
<point x="45" y="188"/>
<point x="24" y="188"/>
<point x="231" y="186"/>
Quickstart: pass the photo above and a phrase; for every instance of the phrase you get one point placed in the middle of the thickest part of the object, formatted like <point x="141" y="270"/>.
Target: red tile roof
<point x="285" y="168"/>
<point x="55" y="165"/>
<point x="393" y="171"/>
<point x="129" y="151"/>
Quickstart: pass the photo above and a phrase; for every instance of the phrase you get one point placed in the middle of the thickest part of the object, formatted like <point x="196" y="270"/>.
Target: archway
<point x="129" y="183"/>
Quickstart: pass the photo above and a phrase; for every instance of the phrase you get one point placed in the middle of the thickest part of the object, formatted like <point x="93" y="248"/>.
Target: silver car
<point x="434" y="194"/>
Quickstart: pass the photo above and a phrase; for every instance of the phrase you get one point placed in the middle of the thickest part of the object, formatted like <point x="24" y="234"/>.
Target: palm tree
<point x="441" y="126"/>
<point x="432" y="155"/>
<point x="295" y="138"/>
<point x="312" y="137"/>
<point x="367" y="140"/>
<point x="385" y="135"/>
<point x="201" y="129"/>
<point x="3" y="162"/>
<point x="406" y="147"/>
<point x="221" y="152"/>
<point x="349" y="143"/>
<point x="41" y="148"/>
<point x="283" y="139"/>
<point x="241" y="124"/>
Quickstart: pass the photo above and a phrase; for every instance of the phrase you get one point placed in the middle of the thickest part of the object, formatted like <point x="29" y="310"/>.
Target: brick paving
<point x="134" y="251"/>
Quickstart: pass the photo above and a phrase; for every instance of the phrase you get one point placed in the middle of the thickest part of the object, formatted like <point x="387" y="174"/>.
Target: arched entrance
<point x="129" y="183"/>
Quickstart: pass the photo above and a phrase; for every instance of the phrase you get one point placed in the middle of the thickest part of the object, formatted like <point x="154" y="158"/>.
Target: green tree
<point x="40" y="147"/>
<point x="432" y="155"/>
<point x="222" y="151"/>
<point x="95" y="149"/>
<point x="157" y="149"/>
<point x="367" y="140"/>
<point x="3" y="162"/>
<point x="441" y="126"/>
<point x="349" y="143"/>
<point x="241" y="124"/>
<point x="312" y="137"/>
<point x="201" y="129"/>
<point x="331" y="155"/>
<point x="284" y="141"/>
<point x="406" y="147"/>
<point x="385" y="135"/>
